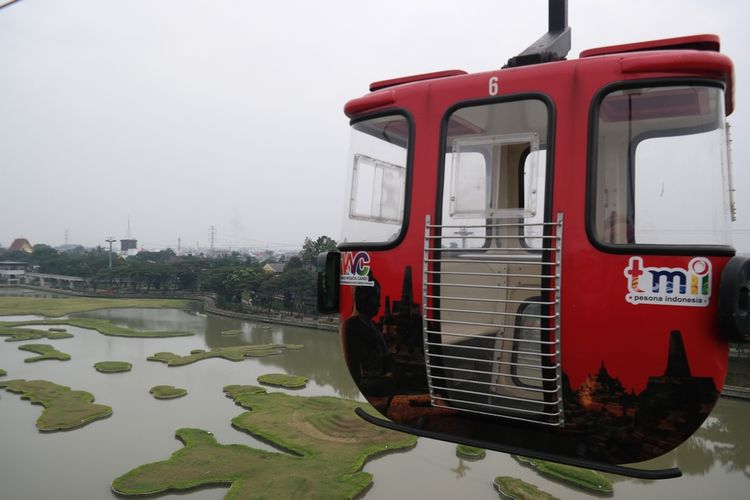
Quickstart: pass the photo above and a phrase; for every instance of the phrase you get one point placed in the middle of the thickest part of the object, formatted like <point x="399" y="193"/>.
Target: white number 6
<point x="493" y="85"/>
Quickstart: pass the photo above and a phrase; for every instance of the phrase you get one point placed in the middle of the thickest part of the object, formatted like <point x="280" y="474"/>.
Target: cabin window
<point x="494" y="170"/>
<point x="659" y="173"/>
<point x="377" y="180"/>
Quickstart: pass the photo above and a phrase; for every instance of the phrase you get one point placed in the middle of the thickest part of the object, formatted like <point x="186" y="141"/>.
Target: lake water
<point x="80" y="464"/>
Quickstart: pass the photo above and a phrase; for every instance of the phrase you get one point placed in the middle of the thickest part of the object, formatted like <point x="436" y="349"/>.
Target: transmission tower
<point x="212" y="239"/>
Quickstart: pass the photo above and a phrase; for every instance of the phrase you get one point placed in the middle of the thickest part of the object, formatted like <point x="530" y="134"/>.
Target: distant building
<point x="274" y="267"/>
<point x="20" y="245"/>
<point x="11" y="271"/>
<point x="128" y="244"/>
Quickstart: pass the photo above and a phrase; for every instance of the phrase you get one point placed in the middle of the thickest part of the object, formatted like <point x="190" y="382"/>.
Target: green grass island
<point x="113" y="366"/>
<point x="64" y="409"/>
<point x="511" y="488"/>
<point x="232" y="353"/>
<point x="283" y="380"/>
<point x="322" y="447"/>
<point x="16" y="334"/>
<point x="167" y="392"/>
<point x="583" y="478"/>
<point x="44" y="352"/>
<point x="470" y="452"/>
<point x="3" y="372"/>
<point x="230" y="333"/>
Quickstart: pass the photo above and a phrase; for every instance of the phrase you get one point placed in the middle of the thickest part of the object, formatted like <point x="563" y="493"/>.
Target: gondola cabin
<point x="537" y="259"/>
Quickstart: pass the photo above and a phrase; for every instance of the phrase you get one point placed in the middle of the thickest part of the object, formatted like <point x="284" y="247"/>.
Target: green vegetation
<point x="24" y="334"/>
<point x="44" y="351"/>
<point x="3" y="372"/>
<point x="238" y="282"/>
<point x="63" y="408"/>
<point x="113" y="366"/>
<point x="167" y="392"/>
<point x="329" y="443"/>
<point x="231" y="332"/>
<point x="583" y="478"/>
<point x="470" y="452"/>
<point x="67" y="305"/>
<point x="55" y="329"/>
<point x="233" y="353"/>
<point x="511" y="488"/>
<point x="283" y="380"/>
<point x="103" y="326"/>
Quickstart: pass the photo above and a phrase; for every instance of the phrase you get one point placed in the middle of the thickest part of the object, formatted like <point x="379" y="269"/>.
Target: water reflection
<point x="716" y="461"/>
<point x="461" y="469"/>
<point x="320" y="360"/>
<point x="723" y="438"/>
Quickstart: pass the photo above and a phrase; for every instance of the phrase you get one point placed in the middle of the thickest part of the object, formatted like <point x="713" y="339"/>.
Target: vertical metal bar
<point x="558" y="309"/>
<point x="425" y="265"/>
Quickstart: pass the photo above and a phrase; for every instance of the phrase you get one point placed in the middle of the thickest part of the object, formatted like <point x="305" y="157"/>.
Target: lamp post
<point x="110" y="240"/>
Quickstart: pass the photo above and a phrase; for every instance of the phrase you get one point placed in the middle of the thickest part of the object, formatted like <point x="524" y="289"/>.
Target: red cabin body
<point x="532" y="256"/>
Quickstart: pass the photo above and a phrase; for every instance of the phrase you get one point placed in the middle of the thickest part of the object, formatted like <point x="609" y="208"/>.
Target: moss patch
<point x="167" y="392"/>
<point x="470" y="452"/>
<point x="231" y="332"/>
<point x="63" y="408"/>
<point x="234" y="353"/>
<point x="103" y="326"/>
<point x="113" y="366"/>
<point x="283" y="380"/>
<point x="514" y="489"/>
<point x="583" y="478"/>
<point x="44" y="351"/>
<point x="329" y="442"/>
<point x="67" y="305"/>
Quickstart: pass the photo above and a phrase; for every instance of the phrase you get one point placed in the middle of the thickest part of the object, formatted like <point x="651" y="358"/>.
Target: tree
<point x="311" y="249"/>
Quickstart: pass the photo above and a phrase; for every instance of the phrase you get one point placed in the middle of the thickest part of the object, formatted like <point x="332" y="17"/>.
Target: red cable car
<point x="537" y="259"/>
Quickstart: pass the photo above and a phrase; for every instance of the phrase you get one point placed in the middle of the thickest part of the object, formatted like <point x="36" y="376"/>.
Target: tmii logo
<point x="673" y="286"/>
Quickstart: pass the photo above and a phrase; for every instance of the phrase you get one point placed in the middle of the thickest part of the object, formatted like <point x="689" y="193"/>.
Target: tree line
<point x="235" y="281"/>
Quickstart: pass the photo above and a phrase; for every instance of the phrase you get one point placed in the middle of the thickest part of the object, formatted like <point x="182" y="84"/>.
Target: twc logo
<point x="355" y="269"/>
<point x="669" y="286"/>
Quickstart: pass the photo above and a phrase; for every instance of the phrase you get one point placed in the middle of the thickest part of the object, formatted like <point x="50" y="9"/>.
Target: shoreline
<point x="328" y="324"/>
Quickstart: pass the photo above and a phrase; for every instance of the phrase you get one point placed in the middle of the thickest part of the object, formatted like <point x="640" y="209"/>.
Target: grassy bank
<point x="54" y="307"/>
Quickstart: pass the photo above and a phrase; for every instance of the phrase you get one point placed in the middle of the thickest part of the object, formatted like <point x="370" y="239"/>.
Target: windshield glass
<point x="660" y="175"/>
<point x="377" y="180"/>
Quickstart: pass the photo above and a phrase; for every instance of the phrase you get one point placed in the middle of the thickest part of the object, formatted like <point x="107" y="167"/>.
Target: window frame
<point x="385" y="245"/>
<point x="591" y="173"/>
<point x="550" y="151"/>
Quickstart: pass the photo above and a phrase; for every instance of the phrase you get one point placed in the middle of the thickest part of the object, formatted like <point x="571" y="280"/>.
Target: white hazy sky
<point x="186" y="114"/>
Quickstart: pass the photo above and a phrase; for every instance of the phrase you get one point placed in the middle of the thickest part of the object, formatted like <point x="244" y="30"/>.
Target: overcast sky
<point x="186" y="114"/>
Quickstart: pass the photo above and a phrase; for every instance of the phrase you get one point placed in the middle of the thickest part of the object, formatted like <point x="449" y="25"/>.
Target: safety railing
<point x="491" y="319"/>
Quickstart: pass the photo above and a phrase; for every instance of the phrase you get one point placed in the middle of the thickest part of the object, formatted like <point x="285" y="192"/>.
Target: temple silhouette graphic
<point x="630" y="427"/>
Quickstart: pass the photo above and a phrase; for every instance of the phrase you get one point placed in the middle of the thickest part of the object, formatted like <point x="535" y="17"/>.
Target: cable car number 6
<point x="493" y="85"/>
